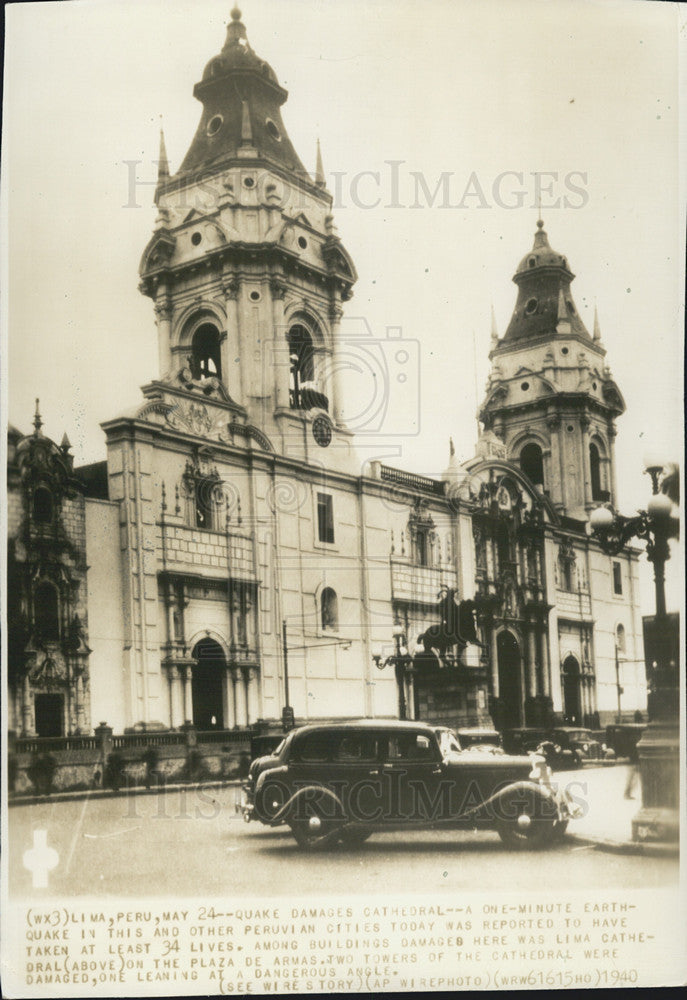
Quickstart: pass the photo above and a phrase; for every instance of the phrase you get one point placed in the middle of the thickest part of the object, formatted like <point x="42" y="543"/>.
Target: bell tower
<point x="550" y="395"/>
<point x="245" y="267"/>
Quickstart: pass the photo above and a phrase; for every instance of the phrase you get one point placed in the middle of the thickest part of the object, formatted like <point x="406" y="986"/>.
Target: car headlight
<point x="585" y="747"/>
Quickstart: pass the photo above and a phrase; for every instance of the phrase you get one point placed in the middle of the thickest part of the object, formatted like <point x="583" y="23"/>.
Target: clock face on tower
<point x="322" y="431"/>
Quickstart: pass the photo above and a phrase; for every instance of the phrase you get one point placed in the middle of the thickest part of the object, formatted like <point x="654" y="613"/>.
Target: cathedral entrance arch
<point x="207" y="684"/>
<point x="510" y="679"/>
<point x="572" y="695"/>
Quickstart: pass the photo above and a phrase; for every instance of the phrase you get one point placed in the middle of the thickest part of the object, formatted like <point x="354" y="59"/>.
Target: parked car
<point x="576" y="745"/>
<point x="480" y="738"/>
<point x="624" y="737"/>
<point x="341" y="782"/>
<point x="564" y="747"/>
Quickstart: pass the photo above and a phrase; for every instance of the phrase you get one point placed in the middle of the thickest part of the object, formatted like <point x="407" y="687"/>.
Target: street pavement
<point x="607" y="814"/>
<point x="190" y="841"/>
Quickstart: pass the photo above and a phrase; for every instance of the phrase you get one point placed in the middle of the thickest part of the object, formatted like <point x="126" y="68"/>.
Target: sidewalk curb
<point x="123" y="793"/>
<point x="626" y="846"/>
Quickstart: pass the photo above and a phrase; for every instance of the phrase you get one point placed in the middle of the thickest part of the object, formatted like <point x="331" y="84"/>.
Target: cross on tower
<point x="40" y="859"/>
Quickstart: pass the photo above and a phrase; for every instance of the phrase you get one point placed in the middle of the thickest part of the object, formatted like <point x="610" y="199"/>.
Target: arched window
<point x="532" y="463"/>
<point x="205" y="352"/>
<point x="329" y="609"/>
<point x="46" y="611"/>
<point x="620" y="639"/>
<point x="42" y="505"/>
<point x="595" y="473"/>
<point x="301" y="364"/>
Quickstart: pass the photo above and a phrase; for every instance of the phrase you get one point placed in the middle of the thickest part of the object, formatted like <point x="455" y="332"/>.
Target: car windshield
<point x="448" y="741"/>
<point x="577" y="734"/>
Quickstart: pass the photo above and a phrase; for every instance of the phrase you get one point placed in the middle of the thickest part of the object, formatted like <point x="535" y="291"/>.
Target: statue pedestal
<point x="659" y="767"/>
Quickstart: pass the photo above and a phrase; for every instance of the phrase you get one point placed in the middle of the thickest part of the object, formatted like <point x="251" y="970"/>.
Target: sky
<point x="471" y="101"/>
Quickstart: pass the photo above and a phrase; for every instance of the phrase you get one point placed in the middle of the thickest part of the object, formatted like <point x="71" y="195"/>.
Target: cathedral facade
<point x="233" y="558"/>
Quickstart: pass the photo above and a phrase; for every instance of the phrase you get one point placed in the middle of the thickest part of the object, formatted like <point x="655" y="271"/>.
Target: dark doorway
<point x="49" y="714"/>
<point x="572" y="703"/>
<point x="207" y="685"/>
<point x="510" y="679"/>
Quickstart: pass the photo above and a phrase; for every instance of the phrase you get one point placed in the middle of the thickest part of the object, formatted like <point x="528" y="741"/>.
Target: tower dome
<point x="543" y="277"/>
<point x="242" y="101"/>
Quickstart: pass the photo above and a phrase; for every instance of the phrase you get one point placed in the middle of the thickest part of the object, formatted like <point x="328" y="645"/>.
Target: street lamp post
<point x="659" y="746"/>
<point x="401" y="661"/>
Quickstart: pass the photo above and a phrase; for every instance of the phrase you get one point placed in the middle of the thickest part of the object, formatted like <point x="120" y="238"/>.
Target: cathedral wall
<point x="105" y="622"/>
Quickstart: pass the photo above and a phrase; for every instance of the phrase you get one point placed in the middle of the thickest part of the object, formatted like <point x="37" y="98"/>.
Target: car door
<point x="413" y="770"/>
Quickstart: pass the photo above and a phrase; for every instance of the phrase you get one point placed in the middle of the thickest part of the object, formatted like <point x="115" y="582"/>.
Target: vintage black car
<point x="564" y="747"/>
<point x="341" y="782"/>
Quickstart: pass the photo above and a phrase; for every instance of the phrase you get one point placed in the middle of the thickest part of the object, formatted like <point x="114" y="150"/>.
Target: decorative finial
<point x="597" y="328"/>
<point x="37" y="422"/>
<point x="163" y="504"/>
<point x="494" y="328"/>
<point x="65" y="444"/>
<point x="540" y="223"/>
<point x="319" y="169"/>
<point x="236" y="31"/>
<point x="177" y="504"/>
<point x="451" y="447"/>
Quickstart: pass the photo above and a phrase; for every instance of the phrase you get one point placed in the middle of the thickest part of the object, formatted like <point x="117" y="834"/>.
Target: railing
<point x="225" y="735"/>
<point x="125" y="740"/>
<point x="308" y="399"/>
<point x="46" y="744"/>
<point x="412" y="480"/>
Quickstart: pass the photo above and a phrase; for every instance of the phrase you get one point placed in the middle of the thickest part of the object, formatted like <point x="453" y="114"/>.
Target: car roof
<point x="387" y="725"/>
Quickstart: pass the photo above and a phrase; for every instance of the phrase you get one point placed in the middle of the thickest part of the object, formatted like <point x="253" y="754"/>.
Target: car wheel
<point x="521" y="824"/>
<point x="559" y="829"/>
<point x="354" y="836"/>
<point x="314" y="834"/>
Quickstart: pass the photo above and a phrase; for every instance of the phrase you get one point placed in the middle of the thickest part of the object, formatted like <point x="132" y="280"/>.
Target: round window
<point x="564" y="350"/>
<point x="302" y="242"/>
<point x="525" y="386"/>
<point x="214" y="125"/>
<point x="249" y="182"/>
<point x="570" y="428"/>
<point x="531" y="307"/>
<point x="255" y="296"/>
<point x="272" y="129"/>
<point x="196" y="238"/>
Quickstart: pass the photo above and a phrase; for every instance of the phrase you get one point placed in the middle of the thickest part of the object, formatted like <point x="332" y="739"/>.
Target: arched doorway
<point x="207" y="685"/>
<point x="510" y="679"/>
<point x="572" y="700"/>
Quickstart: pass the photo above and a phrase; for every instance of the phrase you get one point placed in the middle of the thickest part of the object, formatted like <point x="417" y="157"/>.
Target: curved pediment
<point x="158" y="252"/>
<point x="496" y="484"/>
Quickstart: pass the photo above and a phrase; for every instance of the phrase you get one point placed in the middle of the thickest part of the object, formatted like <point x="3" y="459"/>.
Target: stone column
<point x="163" y="316"/>
<point x="494" y="656"/>
<point x="280" y="348"/>
<point x="240" y="693"/>
<point x="531" y="660"/>
<point x="230" y="703"/>
<point x="80" y="721"/>
<point x="188" y="694"/>
<point x="587" y="486"/>
<point x="252" y="707"/>
<point x="336" y="405"/>
<point x="27" y="708"/>
<point x="555" y="483"/>
<point x="544" y="661"/>
<point x="178" y="715"/>
<point x="236" y="375"/>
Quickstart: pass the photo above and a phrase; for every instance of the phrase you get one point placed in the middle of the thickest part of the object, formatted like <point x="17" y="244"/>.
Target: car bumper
<point x="244" y="805"/>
